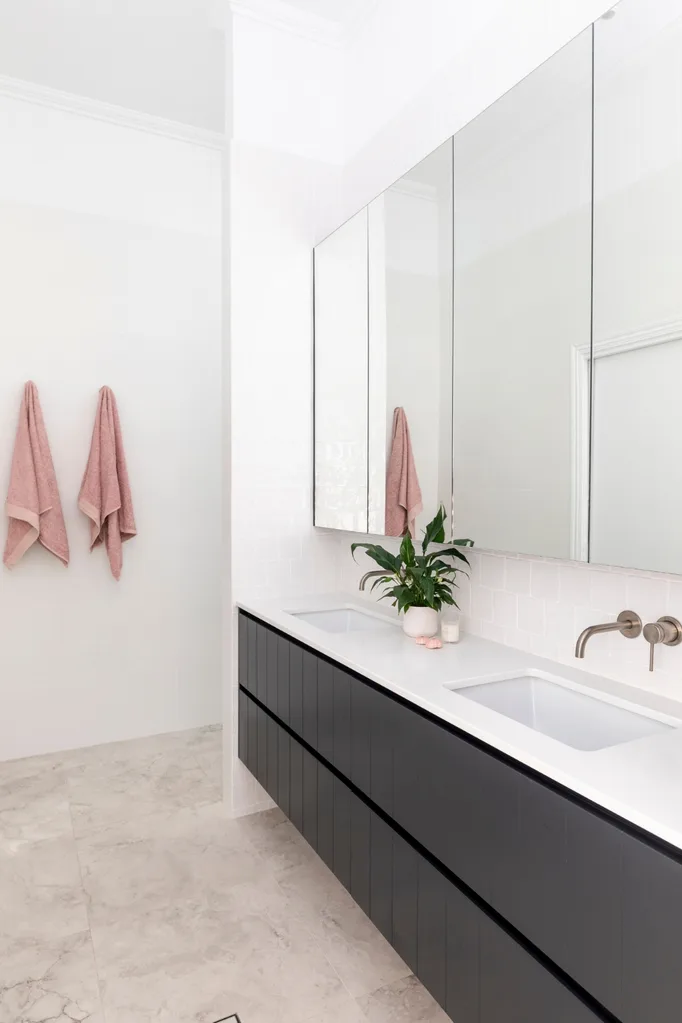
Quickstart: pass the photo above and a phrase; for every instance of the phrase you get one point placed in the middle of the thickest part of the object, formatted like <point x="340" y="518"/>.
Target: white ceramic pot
<point x="420" y="621"/>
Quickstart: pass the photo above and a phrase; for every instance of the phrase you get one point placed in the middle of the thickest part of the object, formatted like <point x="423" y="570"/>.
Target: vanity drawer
<point x="602" y="904"/>
<point x="472" y="967"/>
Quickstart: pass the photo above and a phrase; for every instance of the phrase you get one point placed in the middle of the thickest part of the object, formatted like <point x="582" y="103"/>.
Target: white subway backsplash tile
<point x="531" y="615"/>
<point x="544" y="580"/>
<point x="517" y="575"/>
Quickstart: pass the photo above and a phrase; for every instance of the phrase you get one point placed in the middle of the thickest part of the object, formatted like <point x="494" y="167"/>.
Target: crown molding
<point x="287" y="18"/>
<point x="42" y="95"/>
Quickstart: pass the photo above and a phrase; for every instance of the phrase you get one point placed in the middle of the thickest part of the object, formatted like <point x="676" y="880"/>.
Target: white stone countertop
<point x="639" y="780"/>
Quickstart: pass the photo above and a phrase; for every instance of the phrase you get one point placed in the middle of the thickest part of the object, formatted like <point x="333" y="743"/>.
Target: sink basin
<point x="343" y="619"/>
<point x="563" y="711"/>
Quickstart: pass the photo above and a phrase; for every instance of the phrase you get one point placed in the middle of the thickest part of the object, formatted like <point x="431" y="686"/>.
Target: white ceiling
<point x="161" y="57"/>
<point x="345" y="13"/>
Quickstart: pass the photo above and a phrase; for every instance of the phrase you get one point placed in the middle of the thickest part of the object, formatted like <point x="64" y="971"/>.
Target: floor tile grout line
<point x="86" y="900"/>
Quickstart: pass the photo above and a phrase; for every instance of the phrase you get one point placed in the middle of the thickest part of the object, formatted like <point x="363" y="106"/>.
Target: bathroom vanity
<point x="524" y="878"/>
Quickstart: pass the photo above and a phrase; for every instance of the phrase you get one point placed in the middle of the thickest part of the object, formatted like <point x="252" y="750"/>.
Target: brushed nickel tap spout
<point x="628" y="623"/>
<point x="371" y="575"/>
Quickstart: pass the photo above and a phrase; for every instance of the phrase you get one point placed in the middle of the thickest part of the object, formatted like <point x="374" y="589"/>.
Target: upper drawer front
<point x="602" y="905"/>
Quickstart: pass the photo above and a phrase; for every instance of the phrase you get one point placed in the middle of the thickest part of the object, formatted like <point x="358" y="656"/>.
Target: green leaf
<point x="382" y="557"/>
<point x="451" y="552"/>
<point x="435" y="531"/>
<point x="407" y="550"/>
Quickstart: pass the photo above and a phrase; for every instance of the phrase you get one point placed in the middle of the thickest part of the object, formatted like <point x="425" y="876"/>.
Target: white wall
<point x="110" y="273"/>
<point x="282" y="200"/>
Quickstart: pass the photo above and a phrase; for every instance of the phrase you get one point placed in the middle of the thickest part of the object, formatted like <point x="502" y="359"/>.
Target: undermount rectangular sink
<point x="564" y="712"/>
<point x="343" y="619"/>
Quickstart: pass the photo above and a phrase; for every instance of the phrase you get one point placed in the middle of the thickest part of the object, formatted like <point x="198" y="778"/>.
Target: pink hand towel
<point x="403" y="493"/>
<point x="105" y="492"/>
<point x="33" y="505"/>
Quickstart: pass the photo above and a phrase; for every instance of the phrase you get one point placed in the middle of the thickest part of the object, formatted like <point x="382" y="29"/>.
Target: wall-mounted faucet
<point x="371" y="575"/>
<point x="666" y="630"/>
<point x="628" y="623"/>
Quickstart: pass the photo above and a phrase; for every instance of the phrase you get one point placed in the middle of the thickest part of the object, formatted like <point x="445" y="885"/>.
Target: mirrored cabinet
<point x="500" y="331"/>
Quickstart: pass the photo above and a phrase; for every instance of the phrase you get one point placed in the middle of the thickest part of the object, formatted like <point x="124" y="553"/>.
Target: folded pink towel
<point x="33" y="505"/>
<point x="403" y="493"/>
<point x="105" y="492"/>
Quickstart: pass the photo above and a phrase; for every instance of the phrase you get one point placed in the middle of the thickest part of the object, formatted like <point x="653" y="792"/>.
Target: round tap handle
<point x="666" y="630"/>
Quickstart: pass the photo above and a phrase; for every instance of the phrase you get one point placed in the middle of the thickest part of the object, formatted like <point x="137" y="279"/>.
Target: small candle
<point x="449" y="630"/>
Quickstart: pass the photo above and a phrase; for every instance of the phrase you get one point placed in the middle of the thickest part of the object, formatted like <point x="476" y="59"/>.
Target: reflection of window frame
<point x="582" y="399"/>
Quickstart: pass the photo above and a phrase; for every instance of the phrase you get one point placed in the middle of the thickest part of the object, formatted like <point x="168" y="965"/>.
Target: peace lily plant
<point x="420" y="584"/>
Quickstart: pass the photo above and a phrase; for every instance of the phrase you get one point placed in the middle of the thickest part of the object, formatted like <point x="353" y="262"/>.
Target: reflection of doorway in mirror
<point x="636" y="487"/>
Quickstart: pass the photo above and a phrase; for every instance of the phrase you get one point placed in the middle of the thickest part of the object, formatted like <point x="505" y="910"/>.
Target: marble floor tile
<point x="53" y="981"/>
<point x="347" y="1011"/>
<point x="41" y="894"/>
<point x="150" y="863"/>
<point x="211" y="764"/>
<point x="34" y="800"/>
<point x="404" y="1001"/>
<point x="276" y="838"/>
<point x="117" y="789"/>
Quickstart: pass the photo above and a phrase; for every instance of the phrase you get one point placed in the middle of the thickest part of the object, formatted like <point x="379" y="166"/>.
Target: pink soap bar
<point x="434" y="643"/>
<point x="420" y="640"/>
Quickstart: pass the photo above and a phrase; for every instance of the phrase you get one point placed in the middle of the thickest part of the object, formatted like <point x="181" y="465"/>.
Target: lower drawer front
<point x="473" y="968"/>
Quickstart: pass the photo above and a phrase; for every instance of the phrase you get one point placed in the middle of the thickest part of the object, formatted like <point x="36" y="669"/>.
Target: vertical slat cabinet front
<point x="360" y="840"/>
<point x="283" y="667"/>
<point x="381" y="876"/>
<point x="652" y="933"/>
<point x="271" y="671"/>
<point x="250" y="682"/>
<point x="382" y="715"/>
<point x="360" y="734"/>
<point x="342" y="826"/>
<point x="405" y="900"/>
<point x="262" y="762"/>
<point x="342" y="722"/>
<point x="252" y="728"/>
<point x="309" y="699"/>
<point x="262" y="663"/>
<point x="310" y="809"/>
<point x="462" y="952"/>
<point x="325" y="815"/>
<point x="296" y="785"/>
<point x="516" y="988"/>
<point x="283" y="771"/>
<point x="296" y="689"/>
<point x="242" y="649"/>
<point x="243" y="731"/>
<point x="272" y="767"/>
<point x="432" y="930"/>
<point x="325" y="710"/>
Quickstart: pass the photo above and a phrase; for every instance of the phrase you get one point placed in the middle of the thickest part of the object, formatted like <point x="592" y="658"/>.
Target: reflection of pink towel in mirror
<point x="403" y="493"/>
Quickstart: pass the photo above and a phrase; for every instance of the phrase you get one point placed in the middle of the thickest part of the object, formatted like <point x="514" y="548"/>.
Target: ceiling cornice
<point x="287" y="18"/>
<point x="31" y="92"/>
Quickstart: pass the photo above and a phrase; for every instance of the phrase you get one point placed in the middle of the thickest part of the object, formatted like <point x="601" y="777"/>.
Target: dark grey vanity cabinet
<point x="476" y="972"/>
<point x="573" y="907"/>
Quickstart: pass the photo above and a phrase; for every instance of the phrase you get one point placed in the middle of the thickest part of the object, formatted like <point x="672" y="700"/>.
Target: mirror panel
<point x="636" y="482"/>
<point x="410" y="342"/>
<point x="523" y="312"/>
<point x="341" y="386"/>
